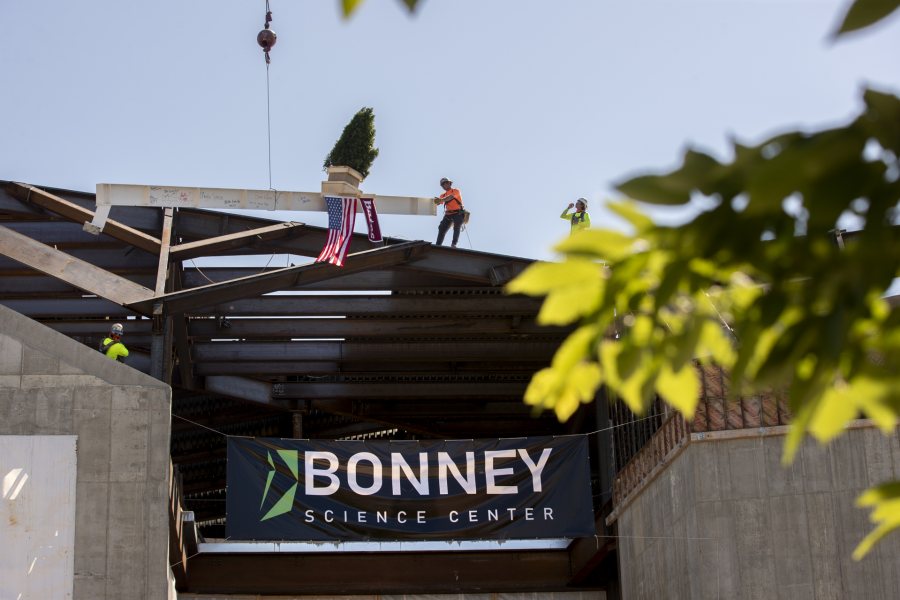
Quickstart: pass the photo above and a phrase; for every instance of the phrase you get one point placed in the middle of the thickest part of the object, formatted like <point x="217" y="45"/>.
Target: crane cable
<point x="266" y="39"/>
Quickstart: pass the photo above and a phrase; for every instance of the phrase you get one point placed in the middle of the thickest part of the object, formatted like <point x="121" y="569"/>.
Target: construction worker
<point x="454" y="213"/>
<point x="580" y="219"/>
<point x="112" y="346"/>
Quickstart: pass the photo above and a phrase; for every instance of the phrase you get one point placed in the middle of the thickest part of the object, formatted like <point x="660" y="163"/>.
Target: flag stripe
<point x="341" y="218"/>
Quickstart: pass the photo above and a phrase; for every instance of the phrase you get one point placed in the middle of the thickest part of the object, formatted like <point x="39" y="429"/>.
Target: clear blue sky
<point x="525" y="104"/>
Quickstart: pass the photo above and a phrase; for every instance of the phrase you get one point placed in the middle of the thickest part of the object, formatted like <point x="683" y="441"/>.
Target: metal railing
<point x="642" y="445"/>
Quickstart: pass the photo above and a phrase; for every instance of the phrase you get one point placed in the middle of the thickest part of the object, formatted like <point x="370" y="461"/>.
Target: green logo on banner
<point x="286" y="502"/>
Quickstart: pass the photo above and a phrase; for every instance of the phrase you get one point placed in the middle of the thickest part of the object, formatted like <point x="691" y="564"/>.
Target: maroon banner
<point x="368" y="205"/>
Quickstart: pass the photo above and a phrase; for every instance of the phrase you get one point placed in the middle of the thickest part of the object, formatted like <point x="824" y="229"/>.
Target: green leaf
<point x="349" y="6"/>
<point x="566" y="304"/>
<point x="540" y="278"/>
<point x="571" y="380"/>
<point x="575" y="348"/>
<point x="835" y="410"/>
<point x="636" y="389"/>
<point x="602" y="243"/>
<point x="681" y="389"/>
<point x="863" y="13"/>
<point x="411" y="4"/>
<point x="885" y="499"/>
<point x="541" y="391"/>
<point x="715" y="342"/>
<point x="629" y="211"/>
<point x="672" y="277"/>
<point x="799" y="423"/>
<point x="882" y="119"/>
<point x="876" y="397"/>
<point x="579" y="388"/>
<point x="655" y="189"/>
<point x="609" y="354"/>
<point x="697" y="172"/>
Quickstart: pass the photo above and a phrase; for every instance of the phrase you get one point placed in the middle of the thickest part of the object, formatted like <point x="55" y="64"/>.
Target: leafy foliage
<point x="796" y="311"/>
<point x="863" y="13"/>
<point x="356" y="146"/>
<point x="759" y="284"/>
<point x="886" y="500"/>
<point x="348" y="6"/>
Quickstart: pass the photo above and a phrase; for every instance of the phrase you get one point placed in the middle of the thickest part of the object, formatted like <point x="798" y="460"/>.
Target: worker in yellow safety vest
<point x="580" y="219"/>
<point x="112" y="345"/>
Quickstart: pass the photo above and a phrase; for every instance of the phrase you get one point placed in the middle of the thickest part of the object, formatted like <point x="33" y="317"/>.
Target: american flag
<point x="341" y="218"/>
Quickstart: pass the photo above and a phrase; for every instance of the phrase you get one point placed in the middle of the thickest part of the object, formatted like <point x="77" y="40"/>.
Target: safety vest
<point x="113" y="349"/>
<point x="452" y="200"/>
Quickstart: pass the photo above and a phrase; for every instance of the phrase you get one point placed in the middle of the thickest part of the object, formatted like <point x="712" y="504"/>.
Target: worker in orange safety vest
<point x="454" y="213"/>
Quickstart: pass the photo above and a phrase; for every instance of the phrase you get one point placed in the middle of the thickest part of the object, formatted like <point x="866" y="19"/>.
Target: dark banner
<point x="523" y="488"/>
<point x="368" y="205"/>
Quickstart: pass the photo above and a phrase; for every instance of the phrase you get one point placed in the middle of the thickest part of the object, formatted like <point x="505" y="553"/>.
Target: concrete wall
<point x="726" y="520"/>
<point x="37" y="516"/>
<point x="52" y="385"/>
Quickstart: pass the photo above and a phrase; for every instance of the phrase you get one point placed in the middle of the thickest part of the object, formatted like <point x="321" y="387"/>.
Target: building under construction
<point x="115" y="476"/>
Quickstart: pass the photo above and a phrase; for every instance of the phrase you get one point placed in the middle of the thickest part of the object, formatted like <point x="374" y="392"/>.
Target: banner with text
<point x="520" y="488"/>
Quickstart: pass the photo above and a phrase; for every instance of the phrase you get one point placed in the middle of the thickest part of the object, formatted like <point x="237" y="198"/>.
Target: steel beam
<point x="240" y="387"/>
<point x="75" y="213"/>
<point x="437" y="391"/>
<point x="68" y="307"/>
<point x="232" y="241"/>
<point x="329" y="573"/>
<point x="368" y="281"/>
<point x="183" y="351"/>
<point x="309" y="305"/>
<point x="209" y="295"/>
<point x="70" y="269"/>
<point x="34" y="284"/>
<point x="121" y="259"/>
<point x="478" y="267"/>
<point x="109" y="194"/>
<point x="196" y="225"/>
<point x="62" y="234"/>
<point x="382" y="305"/>
<point x="165" y="239"/>
<point x="330" y="351"/>
<point x="334" y="327"/>
<point x="470" y="409"/>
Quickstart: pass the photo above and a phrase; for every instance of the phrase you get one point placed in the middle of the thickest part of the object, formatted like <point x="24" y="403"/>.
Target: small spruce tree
<point x="356" y="146"/>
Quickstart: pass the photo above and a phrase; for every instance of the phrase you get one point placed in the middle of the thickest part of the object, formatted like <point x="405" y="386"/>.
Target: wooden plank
<point x="73" y="212"/>
<point x="67" y="268"/>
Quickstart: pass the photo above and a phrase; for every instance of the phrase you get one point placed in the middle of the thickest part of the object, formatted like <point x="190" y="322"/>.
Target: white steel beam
<point x="112" y="194"/>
